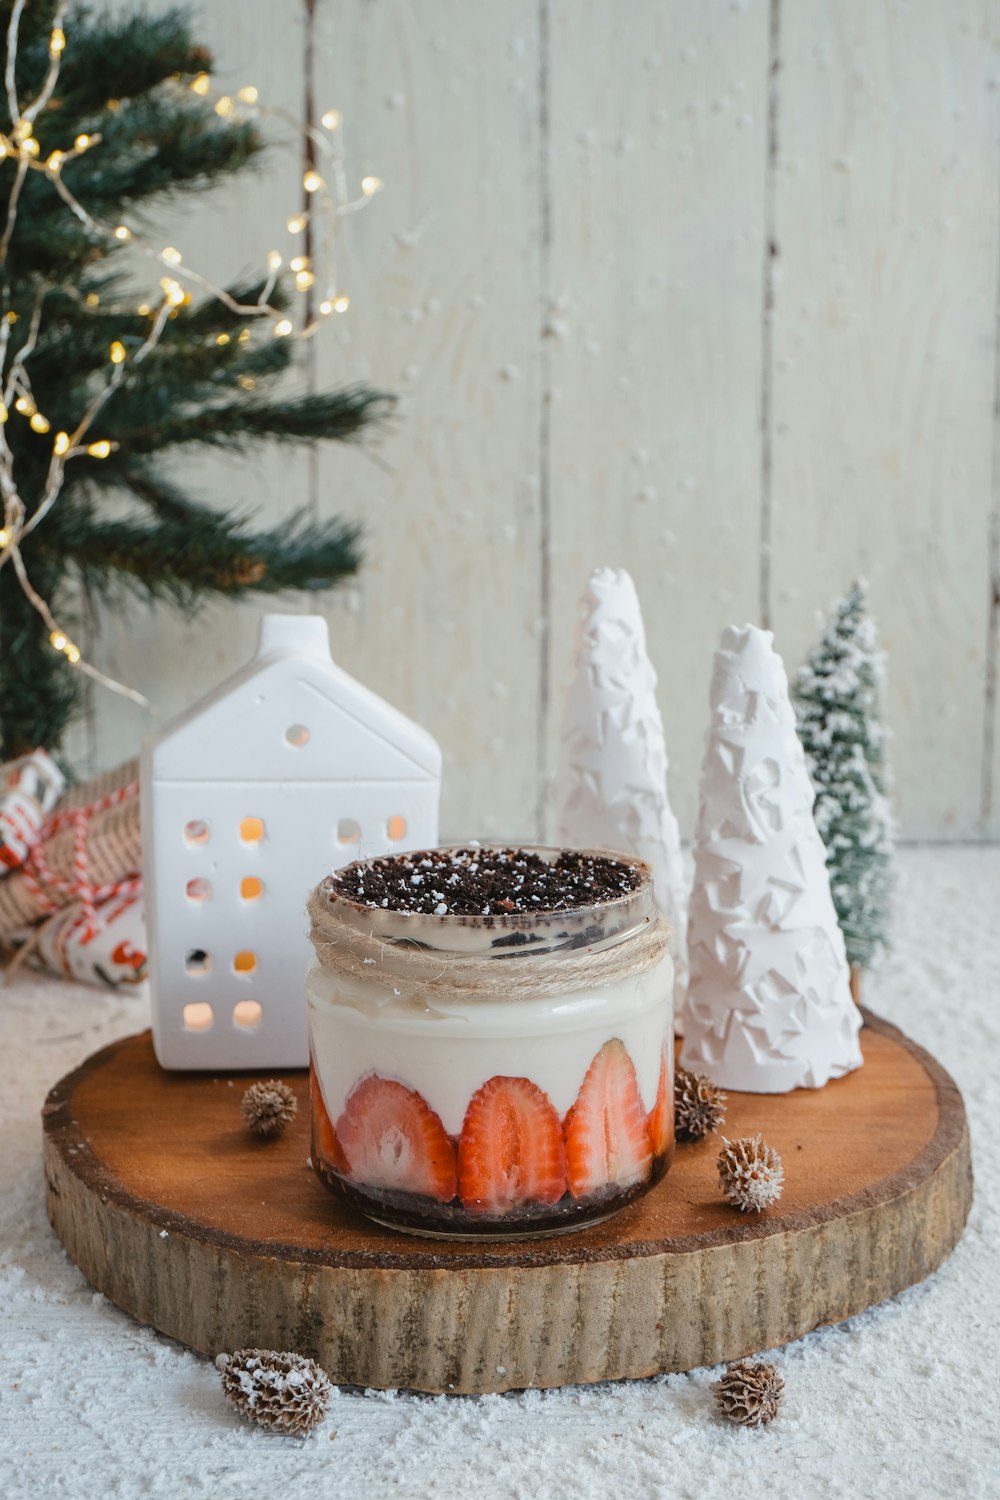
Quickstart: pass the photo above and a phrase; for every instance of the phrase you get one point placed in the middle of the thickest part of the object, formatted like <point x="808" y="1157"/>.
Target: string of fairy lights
<point x="328" y="198"/>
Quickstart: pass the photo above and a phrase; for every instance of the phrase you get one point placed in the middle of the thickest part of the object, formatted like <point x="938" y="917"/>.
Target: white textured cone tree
<point x="769" y="1005"/>
<point x="611" y="788"/>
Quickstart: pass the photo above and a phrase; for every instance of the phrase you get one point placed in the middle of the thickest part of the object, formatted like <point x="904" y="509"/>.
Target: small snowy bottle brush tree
<point x="838" y="699"/>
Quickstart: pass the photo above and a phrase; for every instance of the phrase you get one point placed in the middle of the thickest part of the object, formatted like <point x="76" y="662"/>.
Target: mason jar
<point x="490" y="1066"/>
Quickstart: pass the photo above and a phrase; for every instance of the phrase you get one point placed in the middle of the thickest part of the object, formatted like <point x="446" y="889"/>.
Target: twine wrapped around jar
<point x="348" y="944"/>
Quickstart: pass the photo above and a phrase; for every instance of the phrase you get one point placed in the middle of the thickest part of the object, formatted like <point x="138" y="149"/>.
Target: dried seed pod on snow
<point x="284" y="1392"/>
<point x="749" y="1393"/>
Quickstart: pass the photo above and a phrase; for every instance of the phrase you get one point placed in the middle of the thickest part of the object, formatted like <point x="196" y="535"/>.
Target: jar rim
<point x="639" y="896"/>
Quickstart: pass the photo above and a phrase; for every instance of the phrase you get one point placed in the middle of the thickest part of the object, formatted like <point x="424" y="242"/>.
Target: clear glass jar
<point x="498" y="1076"/>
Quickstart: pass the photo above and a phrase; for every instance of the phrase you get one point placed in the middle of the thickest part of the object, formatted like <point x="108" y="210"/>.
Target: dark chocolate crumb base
<point x="474" y="882"/>
<point x="417" y="1213"/>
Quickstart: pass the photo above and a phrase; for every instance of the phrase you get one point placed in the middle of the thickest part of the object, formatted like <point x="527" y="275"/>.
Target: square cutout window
<point x="198" y="1016"/>
<point x="247" y="1015"/>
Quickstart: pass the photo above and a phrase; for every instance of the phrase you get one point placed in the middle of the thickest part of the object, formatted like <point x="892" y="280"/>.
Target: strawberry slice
<point x="661" y="1116"/>
<point x="511" y="1148"/>
<point x="607" y="1136"/>
<point x="391" y="1138"/>
<point x="325" y="1144"/>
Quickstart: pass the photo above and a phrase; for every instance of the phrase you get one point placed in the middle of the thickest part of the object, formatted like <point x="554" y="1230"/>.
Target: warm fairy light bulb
<point x="24" y="405"/>
<point x="100" y="449"/>
<point x="61" y="444"/>
<point x="72" y="652"/>
<point x="58" y="640"/>
<point x="247" y="382"/>
<point x="3" y="413"/>
<point x="248" y="94"/>
<point x="3" y="149"/>
<point x="57" y="40"/>
<point x="4" y="536"/>
<point x="282" y="328"/>
<point x="117" y="353"/>
<point x="312" y="182"/>
<point x="224" y="106"/>
<point x="171" y="255"/>
<point x="82" y="142"/>
<point x="331" y="120"/>
<point x="243" y="337"/>
<point x="39" y="423"/>
<point x="222" y="339"/>
<point x="273" y="260"/>
<point x="30" y="146"/>
<point x="296" y="224"/>
<point x="304" y="280"/>
<point x="370" y="186"/>
<point x="326" y="308"/>
<point x="123" y="232"/>
<point x="172" y="290"/>
<point x="300" y="263"/>
<point x="143" y="309"/>
<point x="92" y="299"/>
<point x="55" y="160"/>
<point x="341" y="303"/>
<point x="200" y="84"/>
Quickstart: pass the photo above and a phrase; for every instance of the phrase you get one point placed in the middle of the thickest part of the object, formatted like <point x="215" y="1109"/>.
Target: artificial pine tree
<point x="838" y="698"/>
<point x="208" y="382"/>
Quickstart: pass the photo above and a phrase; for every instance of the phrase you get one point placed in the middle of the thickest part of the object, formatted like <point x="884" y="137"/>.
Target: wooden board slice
<point x="176" y="1214"/>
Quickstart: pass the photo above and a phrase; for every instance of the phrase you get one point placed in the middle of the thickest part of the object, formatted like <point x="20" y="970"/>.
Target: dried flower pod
<point x="269" y="1107"/>
<point x="284" y="1392"/>
<point x="750" y="1173"/>
<point x="698" y="1105"/>
<point x="749" y="1393"/>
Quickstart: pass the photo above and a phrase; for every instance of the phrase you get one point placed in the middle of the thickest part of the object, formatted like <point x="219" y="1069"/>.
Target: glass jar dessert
<point x="491" y="1039"/>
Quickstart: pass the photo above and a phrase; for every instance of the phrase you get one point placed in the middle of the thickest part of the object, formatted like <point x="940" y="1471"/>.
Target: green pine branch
<point x="187" y="556"/>
<point x="238" y="425"/>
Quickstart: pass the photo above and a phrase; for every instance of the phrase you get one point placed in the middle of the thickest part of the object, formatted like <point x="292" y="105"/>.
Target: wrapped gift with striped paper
<point x="106" y="946"/>
<point x="29" y="789"/>
<point x="89" y="845"/>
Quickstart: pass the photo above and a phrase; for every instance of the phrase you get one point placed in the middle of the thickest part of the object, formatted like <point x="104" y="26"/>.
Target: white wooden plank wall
<point x="708" y="291"/>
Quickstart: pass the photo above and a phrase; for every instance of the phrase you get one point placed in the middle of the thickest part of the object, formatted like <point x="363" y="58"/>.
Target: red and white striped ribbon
<point x="44" y="884"/>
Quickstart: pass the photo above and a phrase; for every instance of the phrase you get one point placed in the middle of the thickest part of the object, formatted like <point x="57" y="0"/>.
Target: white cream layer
<point x="448" y="1052"/>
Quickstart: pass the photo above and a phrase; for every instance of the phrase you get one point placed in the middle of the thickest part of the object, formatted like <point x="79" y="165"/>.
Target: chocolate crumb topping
<point x="474" y="882"/>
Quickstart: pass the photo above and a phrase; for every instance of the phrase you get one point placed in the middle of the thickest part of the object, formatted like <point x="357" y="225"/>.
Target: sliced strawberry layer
<point x="510" y="1152"/>
<point x="661" y="1116"/>
<point x="607" y="1135"/>
<point x="391" y="1138"/>
<point x="325" y="1143"/>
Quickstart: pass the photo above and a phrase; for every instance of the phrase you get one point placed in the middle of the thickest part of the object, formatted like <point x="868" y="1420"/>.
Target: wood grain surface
<point x="175" y="1213"/>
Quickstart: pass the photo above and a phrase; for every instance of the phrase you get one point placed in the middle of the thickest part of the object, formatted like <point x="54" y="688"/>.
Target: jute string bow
<point x="343" y="949"/>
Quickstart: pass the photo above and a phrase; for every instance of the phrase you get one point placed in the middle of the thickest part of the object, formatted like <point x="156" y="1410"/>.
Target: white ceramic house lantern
<point x="286" y="771"/>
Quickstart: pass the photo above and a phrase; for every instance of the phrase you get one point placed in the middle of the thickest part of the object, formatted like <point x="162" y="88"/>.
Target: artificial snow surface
<point x="899" y="1402"/>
